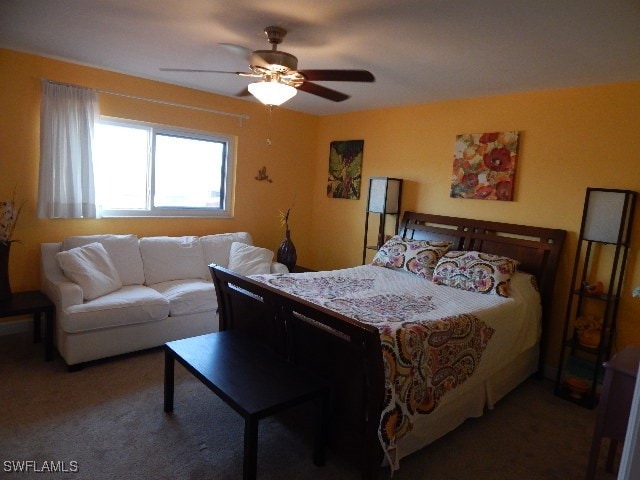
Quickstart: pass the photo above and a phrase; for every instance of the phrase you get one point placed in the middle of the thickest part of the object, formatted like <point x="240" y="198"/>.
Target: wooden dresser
<point x="615" y="405"/>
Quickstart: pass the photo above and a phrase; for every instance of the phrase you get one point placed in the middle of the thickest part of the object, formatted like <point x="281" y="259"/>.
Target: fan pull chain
<point x="269" y="126"/>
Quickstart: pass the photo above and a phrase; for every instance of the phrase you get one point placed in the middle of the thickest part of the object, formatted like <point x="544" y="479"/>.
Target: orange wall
<point x="288" y="159"/>
<point x="569" y="140"/>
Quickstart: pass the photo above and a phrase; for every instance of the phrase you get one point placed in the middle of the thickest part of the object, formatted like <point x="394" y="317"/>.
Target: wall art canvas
<point x="484" y="165"/>
<point x="345" y="169"/>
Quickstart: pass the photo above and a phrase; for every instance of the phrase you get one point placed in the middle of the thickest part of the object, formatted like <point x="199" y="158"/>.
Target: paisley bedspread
<point x="432" y="342"/>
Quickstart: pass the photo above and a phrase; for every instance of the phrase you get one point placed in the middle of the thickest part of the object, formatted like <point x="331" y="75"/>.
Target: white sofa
<point x="140" y="292"/>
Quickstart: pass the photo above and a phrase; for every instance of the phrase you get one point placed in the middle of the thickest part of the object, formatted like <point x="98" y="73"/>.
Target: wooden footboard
<point x="344" y="351"/>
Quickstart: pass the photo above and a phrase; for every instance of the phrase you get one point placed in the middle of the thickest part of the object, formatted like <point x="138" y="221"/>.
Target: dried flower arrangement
<point x="9" y="214"/>
<point x="284" y="219"/>
<point x="588" y="330"/>
<point x="284" y="216"/>
<point x="286" y="253"/>
<point x="587" y="322"/>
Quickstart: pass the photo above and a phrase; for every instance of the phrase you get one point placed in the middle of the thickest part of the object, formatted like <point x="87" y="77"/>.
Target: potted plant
<point x="9" y="214"/>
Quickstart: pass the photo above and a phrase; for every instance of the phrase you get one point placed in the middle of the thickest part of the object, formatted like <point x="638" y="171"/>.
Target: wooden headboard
<point x="536" y="248"/>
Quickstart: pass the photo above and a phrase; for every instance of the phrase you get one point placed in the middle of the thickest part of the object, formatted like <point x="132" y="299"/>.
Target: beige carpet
<point x="108" y="418"/>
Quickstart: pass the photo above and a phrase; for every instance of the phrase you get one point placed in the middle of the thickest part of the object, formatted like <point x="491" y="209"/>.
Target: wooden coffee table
<point x="252" y="380"/>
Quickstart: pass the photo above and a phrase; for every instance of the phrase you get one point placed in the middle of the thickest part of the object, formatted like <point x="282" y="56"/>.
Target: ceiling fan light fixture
<point x="273" y="92"/>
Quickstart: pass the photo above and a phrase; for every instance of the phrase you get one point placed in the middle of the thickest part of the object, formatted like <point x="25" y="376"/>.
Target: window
<point x="157" y="171"/>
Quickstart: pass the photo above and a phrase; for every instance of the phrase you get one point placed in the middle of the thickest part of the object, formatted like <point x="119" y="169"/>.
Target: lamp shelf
<point x="587" y="400"/>
<point x="595" y="296"/>
<point x="575" y="345"/>
<point x="605" y="231"/>
<point x="583" y="371"/>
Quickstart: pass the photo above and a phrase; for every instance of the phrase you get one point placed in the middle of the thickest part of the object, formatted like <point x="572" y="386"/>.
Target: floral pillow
<point x="416" y="256"/>
<point x="476" y="272"/>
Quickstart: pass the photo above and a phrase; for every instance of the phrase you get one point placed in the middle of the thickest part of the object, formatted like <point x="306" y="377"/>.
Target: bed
<point x="409" y="359"/>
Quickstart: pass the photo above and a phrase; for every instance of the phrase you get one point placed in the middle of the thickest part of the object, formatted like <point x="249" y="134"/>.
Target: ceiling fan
<point x="279" y="75"/>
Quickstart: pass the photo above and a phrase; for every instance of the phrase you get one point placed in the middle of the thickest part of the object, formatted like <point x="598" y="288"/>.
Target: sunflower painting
<point x="345" y="169"/>
<point x="484" y="166"/>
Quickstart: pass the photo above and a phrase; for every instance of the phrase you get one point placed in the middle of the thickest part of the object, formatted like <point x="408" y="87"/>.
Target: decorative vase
<point x="287" y="252"/>
<point x="5" y="288"/>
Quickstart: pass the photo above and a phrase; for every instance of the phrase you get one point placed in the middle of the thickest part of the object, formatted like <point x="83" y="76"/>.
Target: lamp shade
<point x="384" y="195"/>
<point x="272" y="93"/>
<point x="606" y="215"/>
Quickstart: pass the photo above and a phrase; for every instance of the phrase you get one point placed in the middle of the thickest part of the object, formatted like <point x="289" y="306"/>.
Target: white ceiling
<point x="419" y="50"/>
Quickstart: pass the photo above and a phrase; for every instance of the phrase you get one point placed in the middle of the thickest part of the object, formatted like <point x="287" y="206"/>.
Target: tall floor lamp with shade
<point x="592" y="305"/>
<point x="383" y="199"/>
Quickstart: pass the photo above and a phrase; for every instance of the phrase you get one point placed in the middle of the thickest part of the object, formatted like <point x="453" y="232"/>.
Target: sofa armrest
<point x="279" y="268"/>
<point x="60" y="290"/>
<point x="64" y="294"/>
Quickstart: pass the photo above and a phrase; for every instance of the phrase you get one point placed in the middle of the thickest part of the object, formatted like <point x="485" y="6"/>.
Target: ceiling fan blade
<point x="323" y="92"/>
<point x="198" y="70"/>
<point x="338" y="75"/>
<point x="244" y="52"/>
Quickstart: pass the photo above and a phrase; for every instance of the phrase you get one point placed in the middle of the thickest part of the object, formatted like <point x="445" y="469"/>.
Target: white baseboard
<point x="19" y="325"/>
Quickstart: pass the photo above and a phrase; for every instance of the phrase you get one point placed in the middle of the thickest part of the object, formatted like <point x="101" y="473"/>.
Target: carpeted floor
<point x="107" y="422"/>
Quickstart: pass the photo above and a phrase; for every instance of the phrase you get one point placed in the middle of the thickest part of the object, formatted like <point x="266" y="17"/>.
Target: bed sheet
<point x="434" y="337"/>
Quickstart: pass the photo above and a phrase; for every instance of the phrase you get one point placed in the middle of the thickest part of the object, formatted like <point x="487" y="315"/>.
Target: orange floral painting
<point x="484" y="165"/>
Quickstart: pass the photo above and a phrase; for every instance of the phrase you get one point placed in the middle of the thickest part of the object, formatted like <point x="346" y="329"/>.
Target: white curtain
<point x="67" y="117"/>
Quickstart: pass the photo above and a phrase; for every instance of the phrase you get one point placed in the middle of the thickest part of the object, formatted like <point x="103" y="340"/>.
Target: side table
<point x="615" y="405"/>
<point x="33" y="303"/>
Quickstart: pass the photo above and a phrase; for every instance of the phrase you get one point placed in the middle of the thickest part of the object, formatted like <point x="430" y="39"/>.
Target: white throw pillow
<point x="123" y="250"/>
<point x="249" y="260"/>
<point x="217" y="248"/>
<point x="90" y="267"/>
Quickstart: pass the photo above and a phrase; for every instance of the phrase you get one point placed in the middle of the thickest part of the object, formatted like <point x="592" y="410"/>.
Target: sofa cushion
<point x="172" y="258"/>
<point x="90" y="267"/>
<point x="188" y="296"/>
<point x="216" y="248"/>
<point x="123" y="250"/>
<point x="249" y="260"/>
<point x="131" y="304"/>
